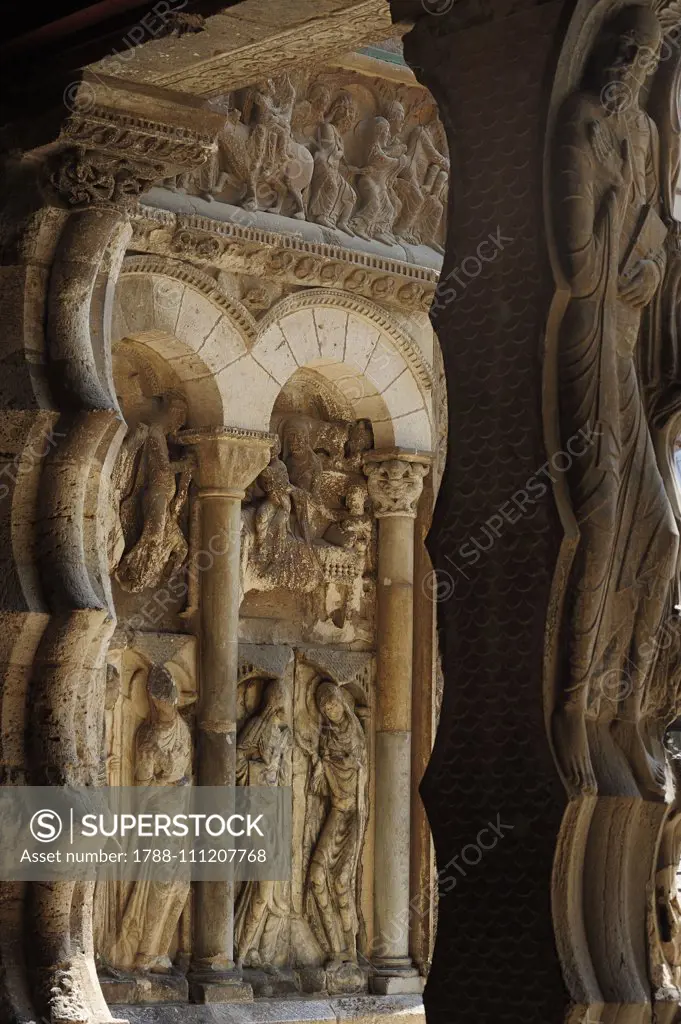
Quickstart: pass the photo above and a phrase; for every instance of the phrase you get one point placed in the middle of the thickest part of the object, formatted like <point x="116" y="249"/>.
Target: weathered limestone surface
<point x="569" y="880"/>
<point x="211" y="410"/>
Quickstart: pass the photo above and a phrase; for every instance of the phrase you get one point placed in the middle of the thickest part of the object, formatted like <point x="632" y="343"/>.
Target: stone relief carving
<point x="263" y="758"/>
<point x="307" y="525"/>
<point x="163" y="757"/>
<point x="336" y="820"/>
<point x="395" y="485"/>
<point x="332" y="197"/>
<point x="612" y="248"/>
<point x="323" y="151"/>
<point x="149" y="492"/>
<point x="146" y="741"/>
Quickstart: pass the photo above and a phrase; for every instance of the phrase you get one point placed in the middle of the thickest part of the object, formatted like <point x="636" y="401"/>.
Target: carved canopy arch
<point x="354" y="344"/>
<point x="198" y="331"/>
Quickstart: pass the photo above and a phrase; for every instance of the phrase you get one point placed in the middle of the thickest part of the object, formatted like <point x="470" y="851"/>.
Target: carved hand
<point x="638" y="288"/>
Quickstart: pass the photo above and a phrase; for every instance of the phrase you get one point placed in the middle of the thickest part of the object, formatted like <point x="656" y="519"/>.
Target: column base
<point x="395" y="976"/>
<point x="219" y="987"/>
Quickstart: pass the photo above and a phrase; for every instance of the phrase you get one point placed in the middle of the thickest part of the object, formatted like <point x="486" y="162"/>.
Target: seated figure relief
<point x="307" y="521"/>
<point x="146" y="542"/>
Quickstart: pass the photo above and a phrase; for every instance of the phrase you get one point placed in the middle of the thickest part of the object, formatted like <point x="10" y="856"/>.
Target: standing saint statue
<point x="611" y="245"/>
<point x="263" y="758"/>
<point x="163" y="757"/>
<point x="339" y="776"/>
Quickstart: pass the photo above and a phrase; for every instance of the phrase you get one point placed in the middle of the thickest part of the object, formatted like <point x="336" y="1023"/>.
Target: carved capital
<point x="395" y="481"/>
<point x="111" y="158"/>
<point x="229" y="458"/>
<point x="88" y="178"/>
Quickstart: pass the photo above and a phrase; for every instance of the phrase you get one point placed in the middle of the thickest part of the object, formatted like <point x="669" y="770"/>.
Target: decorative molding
<point x="138" y="138"/>
<point x="193" y="278"/>
<point x="251" y="250"/>
<point x="374" y="314"/>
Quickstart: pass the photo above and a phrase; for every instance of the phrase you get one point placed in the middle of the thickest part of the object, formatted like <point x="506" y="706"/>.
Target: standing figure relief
<point x="263" y="758"/>
<point x="332" y="197"/>
<point x="611" y="244"/>
<point x="337" y="820"/>
<point x="163" y="757"/>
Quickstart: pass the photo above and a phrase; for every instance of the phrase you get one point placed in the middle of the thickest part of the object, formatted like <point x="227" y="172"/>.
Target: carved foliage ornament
<point x="85" y="177"/>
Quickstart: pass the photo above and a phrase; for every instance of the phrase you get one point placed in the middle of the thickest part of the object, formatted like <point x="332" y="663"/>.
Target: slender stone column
<point x="395" y="481"/>
<point x="229" y="459"/>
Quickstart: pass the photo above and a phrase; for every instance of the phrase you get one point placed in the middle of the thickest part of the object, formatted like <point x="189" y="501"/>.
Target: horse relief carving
<point x="319" y="152"/>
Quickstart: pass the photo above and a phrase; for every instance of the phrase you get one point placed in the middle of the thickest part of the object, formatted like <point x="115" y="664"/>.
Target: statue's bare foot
<point x="572" y="750"/>
<point x="344" y="226"/>
<point x="648" y="772"/>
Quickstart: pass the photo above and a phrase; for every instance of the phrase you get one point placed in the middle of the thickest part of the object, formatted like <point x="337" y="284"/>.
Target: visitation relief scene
<point x="340" y="498"/>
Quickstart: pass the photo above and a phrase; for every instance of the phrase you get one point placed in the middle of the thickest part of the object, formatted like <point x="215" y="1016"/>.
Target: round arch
<point x="356" y="346"/>
<point x="196" y="329"/>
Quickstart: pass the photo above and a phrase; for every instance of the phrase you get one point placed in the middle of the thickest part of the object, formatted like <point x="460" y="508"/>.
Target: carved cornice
<point x="147" y="265"/>
<point x="137" y="138"/>
<point x="107" y="157"/>
<point x="246" y="249"/>
<point x="375" y="315"/>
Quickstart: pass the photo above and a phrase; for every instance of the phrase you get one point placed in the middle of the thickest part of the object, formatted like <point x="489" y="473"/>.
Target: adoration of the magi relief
<point x="345" y="151"/>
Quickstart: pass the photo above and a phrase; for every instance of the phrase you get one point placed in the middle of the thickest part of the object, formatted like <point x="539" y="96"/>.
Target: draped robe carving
<point x="606" y="176"/>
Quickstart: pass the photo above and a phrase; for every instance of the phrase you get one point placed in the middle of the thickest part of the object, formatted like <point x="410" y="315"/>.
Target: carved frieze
<point x="283" y="258"/>
<point x="366" y="162"/>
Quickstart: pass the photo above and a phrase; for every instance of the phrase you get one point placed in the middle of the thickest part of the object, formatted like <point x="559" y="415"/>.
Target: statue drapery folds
<point x="611" y="244"/>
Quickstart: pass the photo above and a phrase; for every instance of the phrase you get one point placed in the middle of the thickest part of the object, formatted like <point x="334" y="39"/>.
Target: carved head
<point x="162" y="693"/>
<point x="331" y="702"/>
<point x="276" y="703"/>
<point x="381" y="131"/>
<point x="626" y="53"/>
<point x="343" y="113"/>
<point x="361" y="437"/>
<point x="395" y="116"/>
<point x="320" y="98"/>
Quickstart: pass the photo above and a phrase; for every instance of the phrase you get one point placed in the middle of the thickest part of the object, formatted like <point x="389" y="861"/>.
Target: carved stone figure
<point x="415" y="182"/>
<point x="332" y="197"/>
<point x="158" y="496"/>
<point x="263" y="758"/>
<point x="668" y="903"/>
<point x="277" y="160"/>
<point x="395" y="486"/>
<point x="428" y="230"/>
<point x="339" y="780"/>
<point x="377" y="209"/>
<point x="360" y="441"/>
<point x="163" y="750"/>
<point x="611" y="244"/>
<point x="274" y="553"/>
